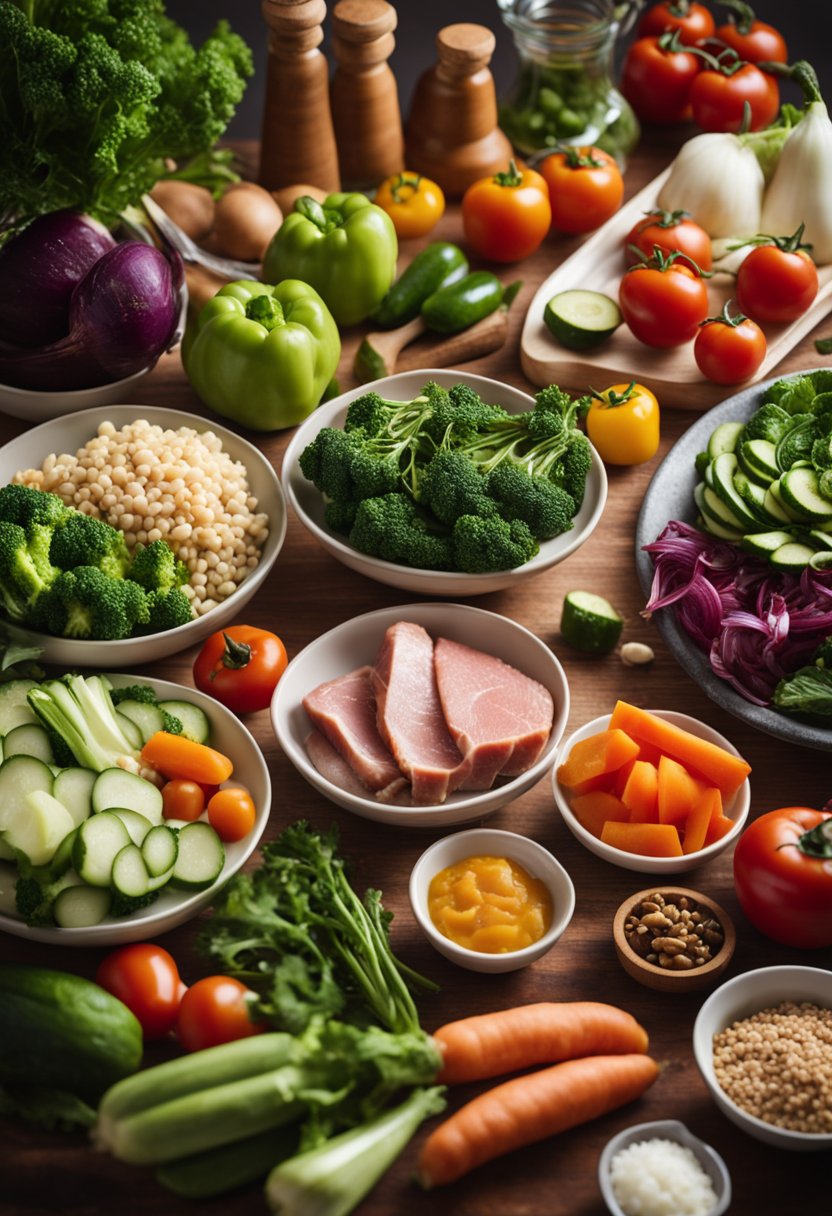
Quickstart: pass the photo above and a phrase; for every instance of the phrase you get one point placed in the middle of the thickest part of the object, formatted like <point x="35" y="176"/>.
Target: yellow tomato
<point x="623" y="424"/>
<point x="414" y="203"/>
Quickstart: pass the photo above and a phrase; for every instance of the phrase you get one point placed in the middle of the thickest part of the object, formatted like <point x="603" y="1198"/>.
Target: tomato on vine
<point x="506" y="216"/>
<point x="778" y="280"/>
<point x="753" y="40"/>
<point x="657" y="78"/>
<point x="585" y="188"/>
<point x="664" y="299"/>
<point x="730" y="94"/>
<point x="693" y="21"/>
<point x="729" y="348"/>
<point x="672" y="232"/>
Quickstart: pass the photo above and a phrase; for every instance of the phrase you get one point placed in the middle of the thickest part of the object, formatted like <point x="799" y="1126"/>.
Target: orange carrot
<point x="491" y="1044"/>
<point x="593" y="810"/>
<point x="621" y="778"/>
<point x="531" y="1108"/>
<point x="648" y="839"/>
<point x="678" y="792"/>
<point x="593" y="784"/>
<point x="719" y="826"/>
<point x="595" y="756"/>
<point x="641" y="793"/>
<point x="175" y="756"/>
<point x="708" y="807"/>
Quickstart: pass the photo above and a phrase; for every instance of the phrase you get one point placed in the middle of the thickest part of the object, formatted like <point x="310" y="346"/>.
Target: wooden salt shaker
<point x="452" y="133"/>
<point x="365" y="101"/>
<point x="298" y="142"/>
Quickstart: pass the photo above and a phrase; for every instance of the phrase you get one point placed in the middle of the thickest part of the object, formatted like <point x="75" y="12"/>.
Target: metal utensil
<point x="227" y="268"/>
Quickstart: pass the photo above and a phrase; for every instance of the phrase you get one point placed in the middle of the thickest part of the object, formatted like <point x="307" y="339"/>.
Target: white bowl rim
<point x="28" y="394"/>
<point x="667" y="1129"/>
<point x="538" y="769"/>
<point x="502" y="837"/>
<point x="706" y="1065"/>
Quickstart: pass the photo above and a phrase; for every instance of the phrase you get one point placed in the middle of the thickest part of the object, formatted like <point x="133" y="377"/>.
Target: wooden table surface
<point x="308" y="593"/>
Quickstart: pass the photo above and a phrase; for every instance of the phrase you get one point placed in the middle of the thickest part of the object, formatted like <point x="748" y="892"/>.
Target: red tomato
<point x="729" y="349"/>
<point x="182" y="799"/>
<point x="663" y="301"/>
<point x="753" y="40"/>
<point x="778" y="281"/>
<point x="671" y="231"/>
<point x="693" y="21"/>
<point x="657" y="81"/>
<point x="213" y="1011"/>
<point x="506" y="216"/>
<point x="585" y="188"/>
<point x="783" y="876"/>
<point x="146" y="979"/>
<point x="240" y="667"/>
<point x="231" y="813"/>
<point x="718" y="97"/>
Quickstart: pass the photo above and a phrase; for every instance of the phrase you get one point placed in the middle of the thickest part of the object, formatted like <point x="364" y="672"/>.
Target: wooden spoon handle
<point x="487" y="335"/>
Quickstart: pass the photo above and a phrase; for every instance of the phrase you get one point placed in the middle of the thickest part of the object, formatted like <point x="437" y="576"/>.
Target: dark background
<point x="806" y="25"/>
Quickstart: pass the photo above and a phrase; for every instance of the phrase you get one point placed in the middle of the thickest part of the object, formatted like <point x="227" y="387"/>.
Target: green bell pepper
<point x="345" y="248"/>
<point x="263" y="355"/>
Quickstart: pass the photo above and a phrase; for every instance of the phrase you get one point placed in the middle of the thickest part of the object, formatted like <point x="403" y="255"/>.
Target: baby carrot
<point x="531" y="1108"/>
<point x="496" y="1043"/>
<point x="175" y="756"/>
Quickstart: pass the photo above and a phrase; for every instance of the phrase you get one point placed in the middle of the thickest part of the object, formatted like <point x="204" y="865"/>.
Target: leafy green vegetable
<point x="806" y="691"/>
<point x="52" y="1109"/>
<point x="823" y="346"/>
<point x="80" y="711"/>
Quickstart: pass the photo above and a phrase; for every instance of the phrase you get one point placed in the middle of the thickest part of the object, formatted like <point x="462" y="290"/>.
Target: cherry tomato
<point x="663" y="301"/>
<point x="730" y="348"/>
<point x="718" y="97"/>
<point x="146" y="979"/>
<point x="231" y="813"/>
<point x="783" y="876"/>
<point x="506" y="216"/>
<point x="671" y="231"/>
<point x="753" y="40"/>
<point x="182" y="799"/>
<point x="240" y="667"/>
<point x="623" y="424"/>
<point x="214" y="1011"/>
<point x="414" y="203"/>
<point x="777" y="282"/>
<point x="657" y="80"/>
<point x="585" y="188"/>
<point x="693" y="21"/>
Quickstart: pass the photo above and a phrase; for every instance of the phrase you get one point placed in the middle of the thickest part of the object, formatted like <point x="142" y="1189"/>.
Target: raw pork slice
<point x="344" y="711"/>
<point x="499" y="718"/>
<point x="335" y="769"/>
<point x="410" y="718"/>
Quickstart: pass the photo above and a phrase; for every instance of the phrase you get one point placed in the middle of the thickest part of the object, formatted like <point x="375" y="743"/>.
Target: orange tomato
<point x="585" y="188"/>
<point x="414" y="203"/>
<point x="231" y="813"/>
<point x="506" y="216"/>
<point x="182" y="800"/>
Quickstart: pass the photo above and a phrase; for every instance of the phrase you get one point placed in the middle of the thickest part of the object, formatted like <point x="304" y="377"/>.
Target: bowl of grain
<point x="160" y="474"/>
<point x="763" y="1044"/>
<point x="662" y="1169"/>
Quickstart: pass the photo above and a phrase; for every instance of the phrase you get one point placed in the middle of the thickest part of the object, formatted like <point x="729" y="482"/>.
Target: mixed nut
<point x="672" y="932"/>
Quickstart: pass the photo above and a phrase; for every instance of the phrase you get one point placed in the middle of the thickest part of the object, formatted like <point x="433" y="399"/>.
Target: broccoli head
<point x="342" y="466"/>
<point x="545" y="507"/>
<point x="481" y="546"/>
<point x="769" y="422"/>
<point x="450" y="486"/>
<point x="86" y="603"/>
<point x="24" y="577"/>
<point x="166" y="610"/>
<point x="126" y="905"/>
<point x="574" y="468"/>
<point x="391" y="528"/>
<point x="457" y="414"/>
<point x="85" y="540"/>
<point x="156" y="568"/>
<point x="28" y="507"/>
<point x="35" y="894"/>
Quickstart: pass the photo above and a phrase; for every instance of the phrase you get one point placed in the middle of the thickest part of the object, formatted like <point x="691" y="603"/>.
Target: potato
<point x="246" y="218"/>
<point x="203" y="285"/>
<point x="189" y="206"/>
<point x="286" y="197"/>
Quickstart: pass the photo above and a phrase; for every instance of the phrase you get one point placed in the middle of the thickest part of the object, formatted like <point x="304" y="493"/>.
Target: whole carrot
<point x="531" y="1108"/>
<point x="495" y="1043"/>
<point x="176" y="756"/>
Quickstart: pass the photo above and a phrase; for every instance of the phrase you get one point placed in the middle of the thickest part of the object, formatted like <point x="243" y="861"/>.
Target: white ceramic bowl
<point x="357" y="642"/>
<point x="173" y="908"/>
<point x="309" y="506"/>
<point x="40" y="406"/>
<point x="71" y="432"/>
<point x="737" y="808"/>
<point x="667" y="1129"/>
<point x="738" y="998"/>
<point x="488" y="842"/>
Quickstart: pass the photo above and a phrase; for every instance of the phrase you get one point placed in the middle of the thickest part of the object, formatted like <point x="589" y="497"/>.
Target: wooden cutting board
<point x="671" y="374"/>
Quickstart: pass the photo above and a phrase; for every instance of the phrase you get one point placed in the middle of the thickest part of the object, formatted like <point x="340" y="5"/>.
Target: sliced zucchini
<point x="590" y="623"/>
<point x="725" y="466"/>
<point x="799" y="490"/>
<point x="37" y="828"/>
<point x="62" y="858"/>
<point x="137" y="825"/>
<point x="130" y="875"/>
<point x="195" y="724"/>
<point x="714" y="506"/>
<point x="81" y="906"/>
<point x="708" y="475"/>
<point x="820" y="540"/>
<point x="765" y="543"/>
<point x="73" y="789"/>
<point x="701" y="462"/>
<point x="99" y="841"/>
<point x="15" y="709"/>
<point x="822" y="560"/>
<point x="754" y="496"/>
<point x="775" y="508"/>
<point x="19" y="776"/>
<point x="757" y="458"/>
<point x="201" y="857"/>
<point x="581" y="319"/>
<point x="130" y="731"/>
<point x="160" y="850"/>
<point x="792" y="556"/>
<point x="29" y="739"/>
<point x="714" y="529"/>
<point x="724" y="438"/>
<point x="161" y="880"/>
<point x="115" y="788"/>
<point x="793" y="516"/>
<point x="148" y="718"/>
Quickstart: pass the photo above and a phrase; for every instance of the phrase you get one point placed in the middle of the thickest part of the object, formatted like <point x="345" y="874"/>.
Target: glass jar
<point x="564" y="92"/>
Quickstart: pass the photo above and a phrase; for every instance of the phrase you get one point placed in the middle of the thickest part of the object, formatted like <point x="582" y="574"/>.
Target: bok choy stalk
<point x="333" y="1179"/>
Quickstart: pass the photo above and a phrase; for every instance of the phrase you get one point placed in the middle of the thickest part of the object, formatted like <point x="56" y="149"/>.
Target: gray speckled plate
<point x="670" y="496"/>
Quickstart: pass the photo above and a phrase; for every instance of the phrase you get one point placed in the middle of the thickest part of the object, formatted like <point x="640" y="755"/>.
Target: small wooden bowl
<point x="658" y="978"/>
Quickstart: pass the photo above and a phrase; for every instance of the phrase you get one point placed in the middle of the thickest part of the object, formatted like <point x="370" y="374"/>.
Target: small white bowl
<point x="71" y="432"/>
<point x="741" y="997"/>
<point x="488" y="842"/>
<point x="40" y="406"/>
<point x="174" y="907"/>
<point x="357" y="642"/>
<point x="308" y="504"/>
<point x="667" y="1129"/>
<point x="737" y="808"/>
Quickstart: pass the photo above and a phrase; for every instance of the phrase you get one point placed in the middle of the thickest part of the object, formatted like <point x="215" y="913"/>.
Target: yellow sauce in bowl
<point x="489" y="904"/>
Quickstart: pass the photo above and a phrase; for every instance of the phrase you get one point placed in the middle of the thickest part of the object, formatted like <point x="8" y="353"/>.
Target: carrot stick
<point x="176" y="756"/>
<point x="495" y="1043"/>
<point x="531" y="1108"/>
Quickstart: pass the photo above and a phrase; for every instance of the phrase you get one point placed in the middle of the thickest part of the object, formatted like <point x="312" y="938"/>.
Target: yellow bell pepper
<point x="623" y="424"/>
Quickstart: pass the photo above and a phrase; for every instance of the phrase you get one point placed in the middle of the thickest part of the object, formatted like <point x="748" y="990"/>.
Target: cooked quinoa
<point x="179" y="486"/>
<point x="777" y="1065"/>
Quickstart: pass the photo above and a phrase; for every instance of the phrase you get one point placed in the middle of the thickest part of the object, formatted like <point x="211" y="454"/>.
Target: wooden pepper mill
<point x="298" y="142"/>
<point x="365" y="101"/>
<point x="452" y="133"/>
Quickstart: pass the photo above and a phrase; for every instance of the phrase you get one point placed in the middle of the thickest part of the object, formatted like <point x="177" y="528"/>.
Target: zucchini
<point x="80" y="906"/>
<point x="130" y="731"/>
<point x="715" y="509"/>
<point x="64" y="1032"/>
<point x="28" y="739"/>
<point x="438" y="265"/>
<point x="200" y="859"/>
<point x="19" y="776"/>
<point x="581" y="320"/>
<point x="792" y="556"/>
<point x="820" y="540"/>
<point x="757" y="458"/>
<point x="73" y="789"/>
<point x="822" y="560"/>
<point x="724" y="467"/>
<point x="137" y="825"/>
<point x="458" y="307"/>
<point x="719" y="530"/>
<point x="130" y="875"/>
<point x="590" y="623"/>
<point x="765" y="543"/>
<point x="195" y="724"/>
<point x="724" y="438"/>
<point x="100" y="839"/>
<point x="754" y="497"/>
<point x="159" y="850"/>
<point x="799" y="490"/>
<point x="148" y="718"/>
<point x="37" y="827"/>
<point x="115" y="788"/>
<point x="701" y="463"/>
<point x="775" y="508"/>
<point x="15" y="709"/>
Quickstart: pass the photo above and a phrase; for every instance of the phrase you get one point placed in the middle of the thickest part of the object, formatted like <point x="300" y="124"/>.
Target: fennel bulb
<point x="717" y="179"/>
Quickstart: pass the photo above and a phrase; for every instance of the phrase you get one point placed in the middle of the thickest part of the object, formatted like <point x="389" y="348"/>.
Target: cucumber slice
<point x="701" y="463"/>
<point x="716" y="509"/>
<point x="799" y="490"/>
<point x="775" y="508"/>
<point x="793" y="516"/>
<point x="100" y="839"/>
<point x="820" y="540"/>
<point x="62" y="859"/>
<point x="15" y="709"/>
<point x="117" y="789"/>
<point x="148" y="718"/>
<point x="28" y="739"/>
<point x="195" y="724"/>
<point x="37" y="828"/>
<point x="822" y="560"/>
<point x="19" y="776"/>
<point x="792" y="556"/>
<point x="130" y="731"/>
<point x="725" y="466"/>
<point x="709" y="475"/>
<point x="724" y="438"/>
<point x="81" y="906"/>
<point x="581" y="319"/>
<point x="757" y="457"/>
<point x="137" y="825"/>
<point x="754" y="497"/>
<point x="160" y="850"/>
<point x="161" y="880"/>
<point x="73" y="789"/>
<point x="590" y="623"/>
<point x="714" y="529"/>
<point x="130" y="875"/>
<point x="201" y="857"/>
<point x="765" y="543"/>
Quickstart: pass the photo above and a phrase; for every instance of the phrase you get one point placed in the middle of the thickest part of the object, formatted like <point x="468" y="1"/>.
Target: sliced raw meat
<point x="410" y="718"/>
<point x="499" y="718"/>
<point x="335" y="769"/>
<point x="344" y="711"/>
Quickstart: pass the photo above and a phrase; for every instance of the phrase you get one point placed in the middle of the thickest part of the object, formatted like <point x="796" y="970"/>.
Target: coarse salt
<point x="660" y="1178"/>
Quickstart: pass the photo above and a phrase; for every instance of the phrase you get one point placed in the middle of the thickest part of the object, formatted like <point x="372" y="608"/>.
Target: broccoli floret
<point x="28" y="507"/>
<point x="339" y="515"/>
<point x="23" y="577"/>
<point x="34" y="899"/>
<point x="85" y="540"/>
<point x="145" y="695"/>
<point x="61" y="753"/>
<point x="344" y="468"/>
<point x="450" y="486"/>
<point x="545" y="507"/>
<point x="823" y="655"/>
<point x="125" y="905"/>
<point x="575" y="464"/>
<point x="481" y="546"/>
<point x="88" y="604"/>
<point x="391" y="527"/>
<point x="170" y="724"/>
<point x="770" y="422"/>
<point x="81" y="711"/>
<point x="167" y="610"/>
<point x="457" y="414"/>
<point x="156" y="568"/>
